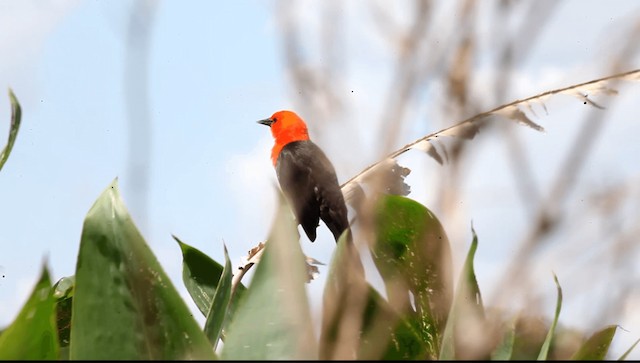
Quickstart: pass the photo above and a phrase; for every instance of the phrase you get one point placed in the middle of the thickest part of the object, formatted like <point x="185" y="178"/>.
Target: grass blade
<point x="544" y="351"/>
<point x="624" y="356"/>
<point x="597" y="346"/>
<point x="467" y="304"/>
<point x="504" y="350"/>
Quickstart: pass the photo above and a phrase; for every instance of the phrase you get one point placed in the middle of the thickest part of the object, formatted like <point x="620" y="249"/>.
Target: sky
<point x="214" y="69"/>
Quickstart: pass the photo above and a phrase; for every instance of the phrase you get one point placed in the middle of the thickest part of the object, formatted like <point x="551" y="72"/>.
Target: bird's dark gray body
<point x="309" y="182"/>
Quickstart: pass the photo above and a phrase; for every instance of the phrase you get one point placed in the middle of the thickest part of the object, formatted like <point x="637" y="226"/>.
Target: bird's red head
<point x="286" y="127"/>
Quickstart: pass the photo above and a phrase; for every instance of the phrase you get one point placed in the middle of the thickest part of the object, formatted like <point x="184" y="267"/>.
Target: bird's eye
<point x="274" y="119"/>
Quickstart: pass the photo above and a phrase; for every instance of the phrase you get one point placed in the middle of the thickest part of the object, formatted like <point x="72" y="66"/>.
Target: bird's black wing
<point x="308" y="180"/>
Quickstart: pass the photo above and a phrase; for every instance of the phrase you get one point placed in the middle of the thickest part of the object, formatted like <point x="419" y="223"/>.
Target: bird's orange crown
<point x="286" y="127"/>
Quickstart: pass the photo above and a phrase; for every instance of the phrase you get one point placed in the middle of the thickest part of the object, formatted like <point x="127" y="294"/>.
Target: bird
<point x="306" y="176"/>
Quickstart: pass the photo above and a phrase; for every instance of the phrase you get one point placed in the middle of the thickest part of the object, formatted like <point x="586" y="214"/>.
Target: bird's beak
<point x="266" y="122"/>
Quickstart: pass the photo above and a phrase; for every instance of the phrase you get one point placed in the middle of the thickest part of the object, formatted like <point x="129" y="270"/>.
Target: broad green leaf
<point x="624" y="356"/>
<point x="218" y="310"/>
<point x="32" y="336"/>
<point x="200" y="275"/>
<point x="273" y="321"/>
<point x="16" y="116"/>
<point x="357" y="322"/>
<point x="467" y="306"/>
<point x="544" y="351"/>
<point x="406" y="343"/>
<point x="388" y="336"/>
<point x="413" y="257"/>
<point x="63" y="295"/>
<point x="504" y="350"/>
<point x="124" y="305"/>
<point x="597" y="346"/>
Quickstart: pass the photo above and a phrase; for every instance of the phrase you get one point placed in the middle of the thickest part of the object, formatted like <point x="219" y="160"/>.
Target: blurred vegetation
<point x="120" y="304"/>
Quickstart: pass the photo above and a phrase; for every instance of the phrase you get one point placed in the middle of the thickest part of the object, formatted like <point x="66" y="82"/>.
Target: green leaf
<point x="32" y="336"/>
<point x="624" y="356"/>
<point x="413" y="256"/>
<point x="388" y="336"/>
<point x="218" y="311"/>
<point x="467" y="305"/>
<point x="504" y="350"/>
<point x="344" y="303"/>
<point x="544" y="351"/>
<point x="200" y="275"/>
<point x="597" y="346"/>
<point x="273" y="321"/>
<point x="16" y="116"/>
<point x="406" y="342"/>
<point x="125" y="306"/>
<point x="63" y="295"/>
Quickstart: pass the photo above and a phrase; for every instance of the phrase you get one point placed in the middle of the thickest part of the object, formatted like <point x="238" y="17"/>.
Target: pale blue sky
<point x="205" y="89"/>
<point x="215" y="68"/>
